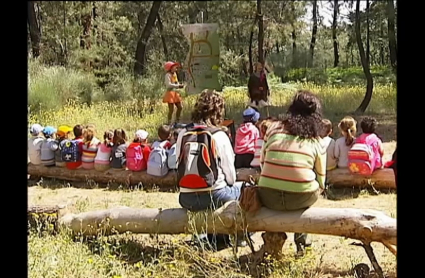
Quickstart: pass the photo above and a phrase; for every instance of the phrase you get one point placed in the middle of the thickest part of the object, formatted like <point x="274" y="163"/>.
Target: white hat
<point x="142" y="134"/>
<point x="36" y="129"/>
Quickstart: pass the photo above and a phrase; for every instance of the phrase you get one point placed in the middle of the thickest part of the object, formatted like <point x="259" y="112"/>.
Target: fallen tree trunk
<point x="361" y="224"/>
<point x="381" y="179"/>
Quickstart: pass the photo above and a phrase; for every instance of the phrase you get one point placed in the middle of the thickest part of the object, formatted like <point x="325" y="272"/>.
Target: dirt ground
<point x="335" y="255"/>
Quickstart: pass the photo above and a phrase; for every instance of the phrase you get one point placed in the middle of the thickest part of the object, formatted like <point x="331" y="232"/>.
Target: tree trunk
<point x="94" y="12"/>
<point x="251" y="38"/>
<point x="34" y="29"/>
<point x="368" y="31"/>
<point x="370" y="225"/>
<point x="392" y="44"/>
<point x="334" y="36"/>
<point x="381" y="179"/>
<point x="381" y="44"/>
<point x="139" y="65"/>
<point x="161" y="32"/>
<point x="366" y="69"/>
<point x="260" y="33"/>
<point x="86" y="20"/>
<point x="313" y="34"/>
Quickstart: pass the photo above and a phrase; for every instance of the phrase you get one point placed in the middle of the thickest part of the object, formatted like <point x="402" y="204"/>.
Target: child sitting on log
<point x="119" y="148"/>
<point x="172" y="159"/>
<point x="48" y="147"/>
<point x="348" y="129"/>
<point x="368" y="143"/>
<point x="138" y="152"/>
<point x="103" y="156"/>
<point x="262" y="127"/>
<point x="246" y="136"/>
<point x="74" y="149"/>
<point x="90" y="147"/>
<point x="157" y="162"/>
<point x="328" y="144"/>
<point x="34" y="144"/>
<point x="62" y="134"/>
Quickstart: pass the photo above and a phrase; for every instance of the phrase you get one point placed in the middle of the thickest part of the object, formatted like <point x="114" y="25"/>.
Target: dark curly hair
<point x="209" y="108"/>
<point x="304" y="116"/>
<point x="368" y="124"/>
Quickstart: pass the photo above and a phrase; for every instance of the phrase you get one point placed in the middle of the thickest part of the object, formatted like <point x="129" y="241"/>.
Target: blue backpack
<point x="70" y="151"/>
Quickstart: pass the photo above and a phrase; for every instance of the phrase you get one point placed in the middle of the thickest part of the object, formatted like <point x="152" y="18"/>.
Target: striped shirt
<point x="258" y="145"/>
<point x="292" y="164"/>
<point x="89" y="153"/>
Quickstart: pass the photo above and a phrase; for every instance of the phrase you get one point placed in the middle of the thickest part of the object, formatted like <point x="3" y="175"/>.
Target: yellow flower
<point x="90" y="261"/>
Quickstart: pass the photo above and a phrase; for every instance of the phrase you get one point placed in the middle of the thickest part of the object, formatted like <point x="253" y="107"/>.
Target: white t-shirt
<point x="226" y="168"/>
<point x="341" y="152"/>
<point x="329" y="146"/>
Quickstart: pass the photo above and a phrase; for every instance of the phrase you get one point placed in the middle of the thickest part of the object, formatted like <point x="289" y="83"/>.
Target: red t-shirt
<point x="146" y="151"/>
<point x="75" y="165"/>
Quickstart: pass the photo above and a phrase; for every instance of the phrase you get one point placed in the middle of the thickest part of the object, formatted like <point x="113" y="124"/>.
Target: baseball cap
<point x="142" y="134"/>
<point x="63" y="130"/>
<point x="36" y="129"/>
<point x="49" y="130"/>
<point x="251" y="115"/>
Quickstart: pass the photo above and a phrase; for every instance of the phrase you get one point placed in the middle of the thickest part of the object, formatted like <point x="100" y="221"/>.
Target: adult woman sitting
<point x="209" y="111"/>
<point x="293" y="160"/>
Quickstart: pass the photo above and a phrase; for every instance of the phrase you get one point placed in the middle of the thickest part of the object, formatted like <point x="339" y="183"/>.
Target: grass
<point x="137" y="114"/>
<point x="164" y="256"/>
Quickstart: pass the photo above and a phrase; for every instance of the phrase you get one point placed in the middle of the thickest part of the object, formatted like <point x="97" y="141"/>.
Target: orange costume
<point x="171" y="83"/>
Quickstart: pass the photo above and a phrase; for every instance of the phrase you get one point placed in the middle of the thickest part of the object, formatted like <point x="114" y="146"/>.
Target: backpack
<point x="172" y="158"/>
<point x="157" y="162"/>
<point x="134" y="155"/>
<point x="70" y="151"/>
<point x="361" y="157"/>
<point x="197" y="164"/>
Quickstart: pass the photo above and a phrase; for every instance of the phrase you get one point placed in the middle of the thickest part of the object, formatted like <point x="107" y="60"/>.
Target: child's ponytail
<point x="349" y="138"/>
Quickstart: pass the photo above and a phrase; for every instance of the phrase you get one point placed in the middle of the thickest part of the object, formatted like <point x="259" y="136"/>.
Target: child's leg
<point x="170" y="112"/>
<point x="179" y="111"/>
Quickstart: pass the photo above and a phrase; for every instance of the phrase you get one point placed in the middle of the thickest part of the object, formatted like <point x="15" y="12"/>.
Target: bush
<point x="52" y="87"/>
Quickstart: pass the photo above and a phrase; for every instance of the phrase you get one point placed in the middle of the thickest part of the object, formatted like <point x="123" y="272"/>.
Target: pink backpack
<point x="134" y="157"/>
<point x="362" y="157"/>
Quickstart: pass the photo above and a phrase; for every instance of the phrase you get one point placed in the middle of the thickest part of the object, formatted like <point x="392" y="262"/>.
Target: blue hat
<point x="251" y="114"/>
<point x="49" y="130"/>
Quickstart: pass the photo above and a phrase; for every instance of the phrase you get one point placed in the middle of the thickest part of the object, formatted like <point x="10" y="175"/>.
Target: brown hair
<point x="327" y="128"/>
<point x="164" y="132"/>
<point x="107" y="136"/>
<point x="78" y="130"/>
<point x="348" y="128"/>
<point x="119" y="137"/>
<point x="263" y="125"/>
<point x="209" y="108"/>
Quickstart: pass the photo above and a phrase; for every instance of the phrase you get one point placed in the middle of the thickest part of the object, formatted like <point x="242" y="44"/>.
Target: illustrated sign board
<point x="202" y="62"/>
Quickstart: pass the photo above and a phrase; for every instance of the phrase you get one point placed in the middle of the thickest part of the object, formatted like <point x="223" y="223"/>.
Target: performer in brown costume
<point x="258" y="88"/>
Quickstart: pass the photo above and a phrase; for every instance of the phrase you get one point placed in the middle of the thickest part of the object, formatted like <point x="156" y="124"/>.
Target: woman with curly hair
<point x="209" y="112"/>
<point x="294" y="161"/>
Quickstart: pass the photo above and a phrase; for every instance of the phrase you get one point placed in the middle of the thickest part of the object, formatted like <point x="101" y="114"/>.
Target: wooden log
<point x="361" y="224"/>
<point x="381" y="179"/>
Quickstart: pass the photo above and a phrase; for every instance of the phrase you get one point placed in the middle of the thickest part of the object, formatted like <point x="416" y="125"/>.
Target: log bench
<point x="380" y="179"/>
<point x="365" y="225"/>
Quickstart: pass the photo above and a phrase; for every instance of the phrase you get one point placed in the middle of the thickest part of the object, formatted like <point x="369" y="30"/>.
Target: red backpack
<point x="361" y="156"/>
<point x="134" y="156"/>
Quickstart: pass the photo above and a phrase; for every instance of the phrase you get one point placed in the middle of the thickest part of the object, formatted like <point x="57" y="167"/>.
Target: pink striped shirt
<point x="258" y="146"/>
<point x="103" y="155"/>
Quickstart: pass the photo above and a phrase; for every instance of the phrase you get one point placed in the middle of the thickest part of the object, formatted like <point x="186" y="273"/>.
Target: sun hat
<point x="36" y="129"/>
<point x="49" y="130"/>
<point x="168" y="65"/>
<point x="63" y="130"/>
<point x="141" y="134"/>
<point x="251" y="114"/>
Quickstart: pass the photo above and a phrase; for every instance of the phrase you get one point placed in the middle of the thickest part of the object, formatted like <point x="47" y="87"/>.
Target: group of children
<point x="49" y="146"/>
<point x="362" y="154"/>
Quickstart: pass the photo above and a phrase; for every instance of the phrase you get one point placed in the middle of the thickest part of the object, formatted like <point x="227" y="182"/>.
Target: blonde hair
<point x="88" y="133"/>
<point x="348" y="128"/>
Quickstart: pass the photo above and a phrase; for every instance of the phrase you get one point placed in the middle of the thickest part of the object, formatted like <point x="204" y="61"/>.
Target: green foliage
<point x="52" y="87"/>
<point x="335" y="76"/>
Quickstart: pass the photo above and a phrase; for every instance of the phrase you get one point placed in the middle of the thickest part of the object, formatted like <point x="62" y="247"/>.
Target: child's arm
<point x="381" y="148"/>
<point x="336" y="151"/>
<point x="320" y="168"/>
